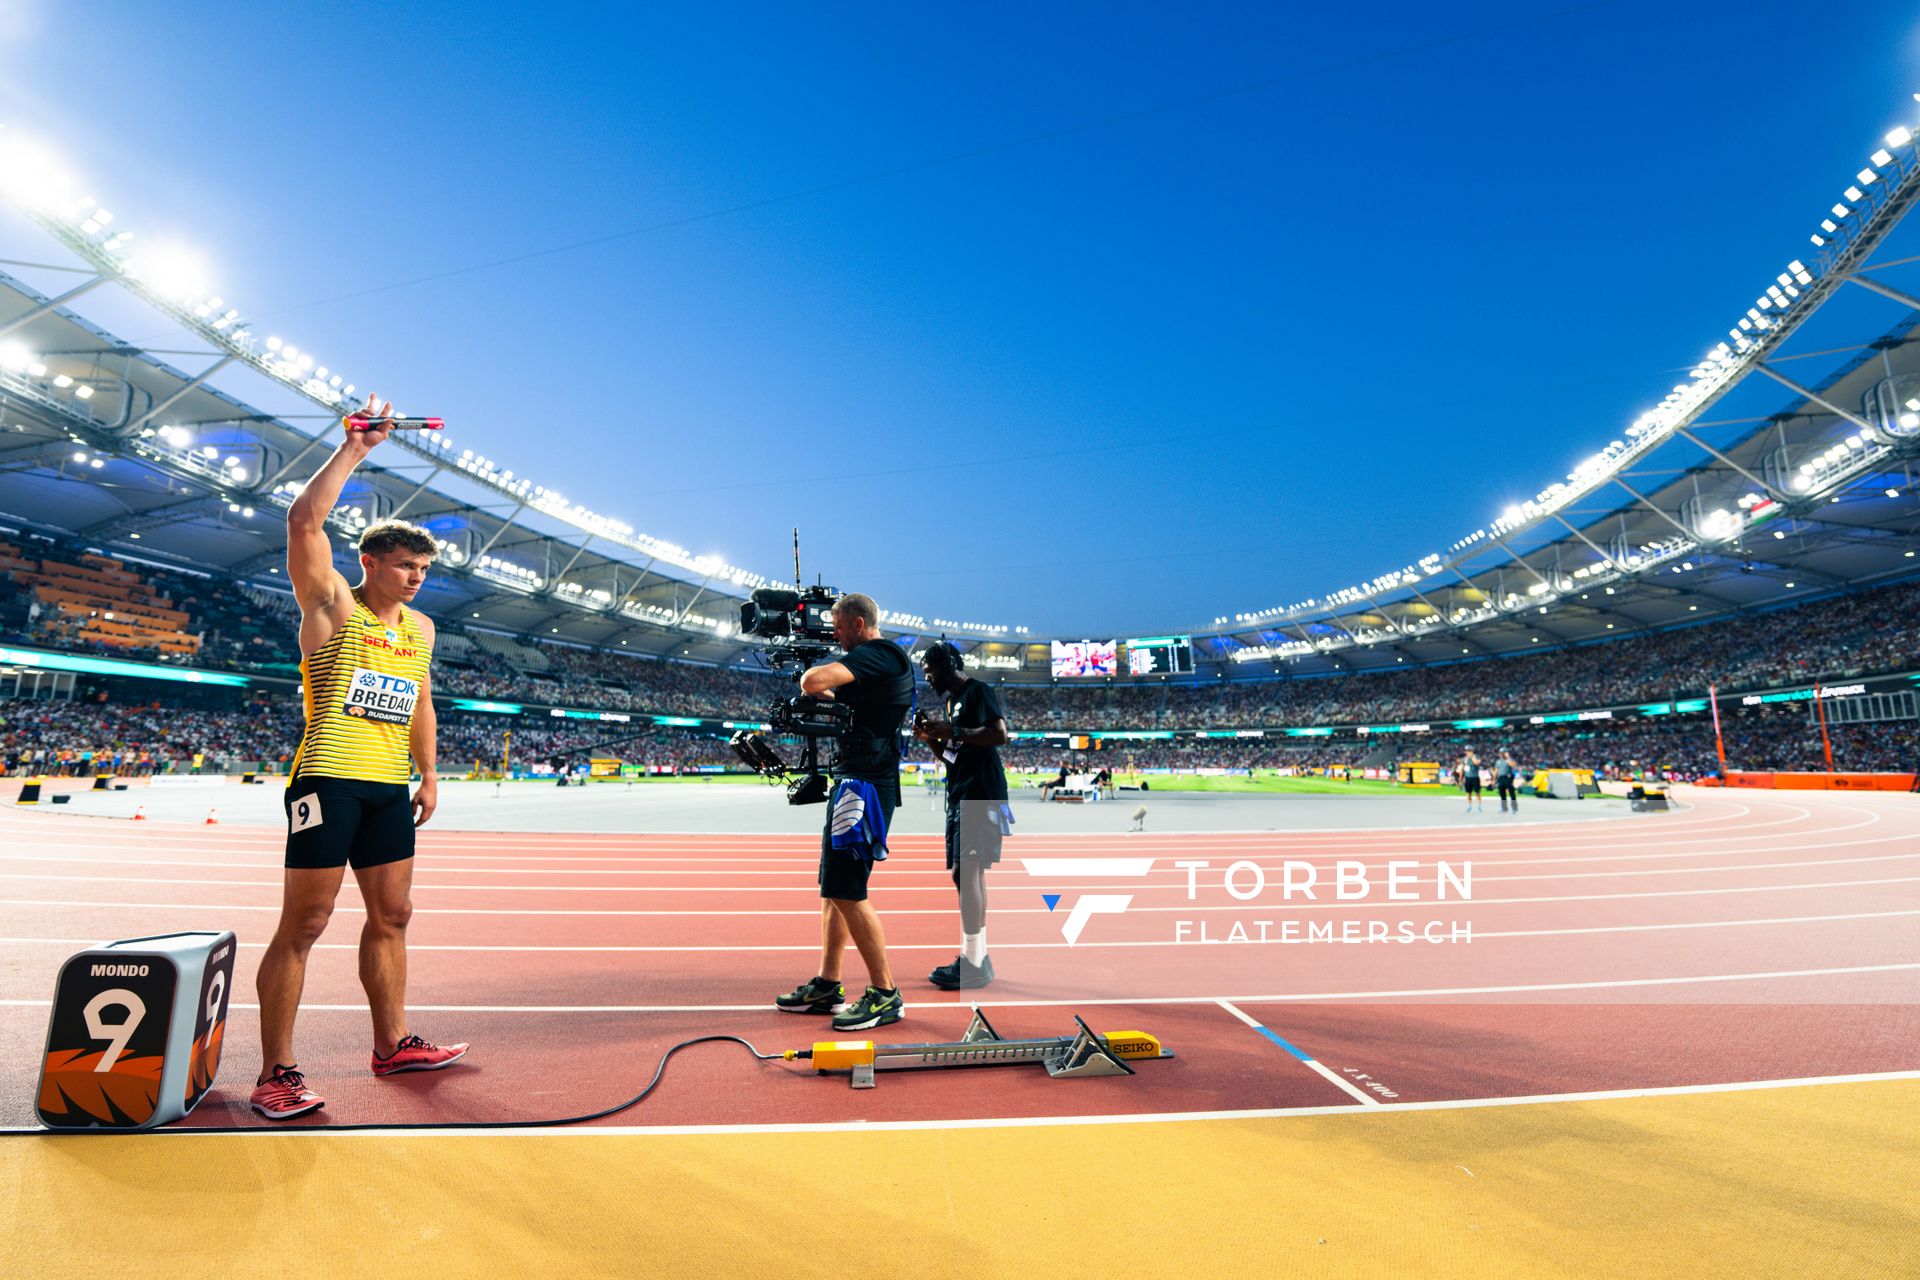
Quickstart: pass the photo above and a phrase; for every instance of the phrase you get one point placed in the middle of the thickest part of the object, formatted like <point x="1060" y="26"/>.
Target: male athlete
<point x="876" y="680"/>
<point x="968" y="738"/>
<point x="363" y="667"/>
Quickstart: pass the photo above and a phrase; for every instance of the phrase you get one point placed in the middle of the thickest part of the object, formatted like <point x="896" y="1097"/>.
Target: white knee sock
<point x="973" y="946"/>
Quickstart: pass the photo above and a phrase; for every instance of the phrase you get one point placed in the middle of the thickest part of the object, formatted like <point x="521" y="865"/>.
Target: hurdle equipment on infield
<point x="135" y="1035"/>
<point x="1086" y="1053"/>
<point x="30" y="791"/>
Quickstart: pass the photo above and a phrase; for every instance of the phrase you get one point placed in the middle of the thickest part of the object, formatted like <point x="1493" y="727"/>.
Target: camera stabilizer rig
<point x="797" y="626"/>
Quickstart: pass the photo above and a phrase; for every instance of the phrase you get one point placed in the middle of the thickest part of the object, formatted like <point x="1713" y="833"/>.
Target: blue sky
<point x="1104" y="319"/>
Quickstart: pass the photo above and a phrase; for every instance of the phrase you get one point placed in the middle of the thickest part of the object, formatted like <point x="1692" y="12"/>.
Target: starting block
<point x="1647" y="799"/>
<point x="135" y="1036"/>
<point x="1087" y="1053"/>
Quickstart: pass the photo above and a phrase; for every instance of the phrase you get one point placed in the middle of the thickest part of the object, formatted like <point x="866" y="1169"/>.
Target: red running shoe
<point x="285" y="1095"/>
<point x="415" y="1054"/>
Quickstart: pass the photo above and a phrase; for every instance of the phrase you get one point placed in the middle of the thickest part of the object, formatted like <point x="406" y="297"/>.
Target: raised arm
<point x="317" y="585"/>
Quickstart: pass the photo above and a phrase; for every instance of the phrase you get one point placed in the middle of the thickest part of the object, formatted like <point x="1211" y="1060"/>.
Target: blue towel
<point x="859" y="823"/>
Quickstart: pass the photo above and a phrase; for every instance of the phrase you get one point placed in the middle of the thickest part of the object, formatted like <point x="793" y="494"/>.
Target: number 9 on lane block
<point x="136" y="1031"/>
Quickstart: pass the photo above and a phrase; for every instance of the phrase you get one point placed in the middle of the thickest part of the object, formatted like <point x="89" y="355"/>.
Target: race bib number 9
<point x="382" y="698"/>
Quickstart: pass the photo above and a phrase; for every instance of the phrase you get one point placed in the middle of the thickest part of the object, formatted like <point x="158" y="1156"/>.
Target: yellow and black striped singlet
<point x="360" y="689"/>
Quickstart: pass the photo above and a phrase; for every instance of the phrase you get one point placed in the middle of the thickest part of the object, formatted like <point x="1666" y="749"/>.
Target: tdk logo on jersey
<point x="375" y="695"/>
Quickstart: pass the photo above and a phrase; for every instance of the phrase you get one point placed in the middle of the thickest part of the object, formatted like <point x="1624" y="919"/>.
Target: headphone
<point x="956" y="661"/>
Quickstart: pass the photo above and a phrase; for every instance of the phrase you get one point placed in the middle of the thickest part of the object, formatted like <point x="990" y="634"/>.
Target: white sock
<point x="973" y="946"/>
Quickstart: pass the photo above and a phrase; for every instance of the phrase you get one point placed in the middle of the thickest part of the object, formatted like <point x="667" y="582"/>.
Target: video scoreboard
<point x="1160" y="656"/>
<point x="1073" y="659"/>
<point x="1146" y="656"/>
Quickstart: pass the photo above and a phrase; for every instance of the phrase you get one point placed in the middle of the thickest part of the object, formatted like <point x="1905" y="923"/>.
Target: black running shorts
<point x="973" y="832"/>
<point x="1472" y="786"/>
<point x="334" y="822"/>
<point x="842" y="875"/>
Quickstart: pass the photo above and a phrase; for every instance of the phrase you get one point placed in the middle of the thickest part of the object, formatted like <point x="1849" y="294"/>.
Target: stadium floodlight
<point x="1841" y="211"/>
<point x="1855" y="194"/>
<point x="171" y="271"/>
<point x="1899" y="136"/>
<point x="1882" y="158"/>
<point x="1866" y="177"/>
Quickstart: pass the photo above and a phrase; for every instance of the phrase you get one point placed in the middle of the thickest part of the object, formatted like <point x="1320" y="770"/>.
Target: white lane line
<point x="1028" y="1122"/>
<point x="271" y="847"/>
<point x="1047" y="868"/>
<point x="63" y="852"/>
<point x="810" y="874"/>
<point x="1296" y="997"/>
<point x="1362" y="905"/>
<point x="1298" y="1054"/>
<point x="1478" y="935"/>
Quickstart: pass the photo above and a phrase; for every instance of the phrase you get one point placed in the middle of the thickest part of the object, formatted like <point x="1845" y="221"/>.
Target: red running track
<point x="1749" y="938"/>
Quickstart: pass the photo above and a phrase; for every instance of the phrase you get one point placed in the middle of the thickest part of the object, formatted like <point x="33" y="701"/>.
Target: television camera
<point x="797" y="625"/>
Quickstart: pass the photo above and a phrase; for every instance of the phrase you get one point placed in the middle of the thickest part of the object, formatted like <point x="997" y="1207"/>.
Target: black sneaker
<point x="811" y="996"/>
<point x="871" y="1010"/>
<point x="962" y="975"/>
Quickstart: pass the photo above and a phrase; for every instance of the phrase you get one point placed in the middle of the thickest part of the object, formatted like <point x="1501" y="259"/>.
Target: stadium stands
<point x="67" y="597"/>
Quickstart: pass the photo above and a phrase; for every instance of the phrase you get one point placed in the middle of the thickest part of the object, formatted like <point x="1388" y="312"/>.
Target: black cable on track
<point x="562" y="1121"/>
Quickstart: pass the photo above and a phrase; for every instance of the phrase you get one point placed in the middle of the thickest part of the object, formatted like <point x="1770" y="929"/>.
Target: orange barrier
<point x="1822" y="781"/>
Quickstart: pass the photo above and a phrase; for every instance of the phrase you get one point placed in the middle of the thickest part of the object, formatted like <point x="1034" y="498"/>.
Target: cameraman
<point x="968" y="738"/>
<point x="876" y="680"/>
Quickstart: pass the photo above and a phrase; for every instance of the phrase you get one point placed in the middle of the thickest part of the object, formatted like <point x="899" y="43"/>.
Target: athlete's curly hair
<point x="383" y="536"/>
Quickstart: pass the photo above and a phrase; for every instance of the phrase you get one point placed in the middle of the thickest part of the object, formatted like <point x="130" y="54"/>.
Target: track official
<point x="364" y="657"/>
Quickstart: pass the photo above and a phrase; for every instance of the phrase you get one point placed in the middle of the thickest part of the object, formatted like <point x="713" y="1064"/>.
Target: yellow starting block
<point x="1086" y="1053"/>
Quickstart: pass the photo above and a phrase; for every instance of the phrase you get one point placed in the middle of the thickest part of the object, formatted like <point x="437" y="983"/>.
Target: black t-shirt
<point x="974" y="773"/>
<point x="880" y="695"/>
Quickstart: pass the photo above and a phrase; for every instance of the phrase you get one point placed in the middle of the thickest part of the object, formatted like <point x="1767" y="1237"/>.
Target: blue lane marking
<point x="1284" y="1045"/>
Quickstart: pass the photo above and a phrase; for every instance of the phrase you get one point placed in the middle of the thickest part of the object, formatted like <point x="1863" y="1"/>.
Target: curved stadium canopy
<point x="1780" y="469"/>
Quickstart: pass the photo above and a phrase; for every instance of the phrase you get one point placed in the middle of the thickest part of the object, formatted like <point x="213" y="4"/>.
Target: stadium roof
<point x="1779" y="468"/>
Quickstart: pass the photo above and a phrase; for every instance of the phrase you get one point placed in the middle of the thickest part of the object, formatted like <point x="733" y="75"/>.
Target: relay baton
<point x="363" y="422"/>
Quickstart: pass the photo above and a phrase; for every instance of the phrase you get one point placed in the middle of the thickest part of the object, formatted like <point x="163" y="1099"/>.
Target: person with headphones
<point x="968" y="737"/>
